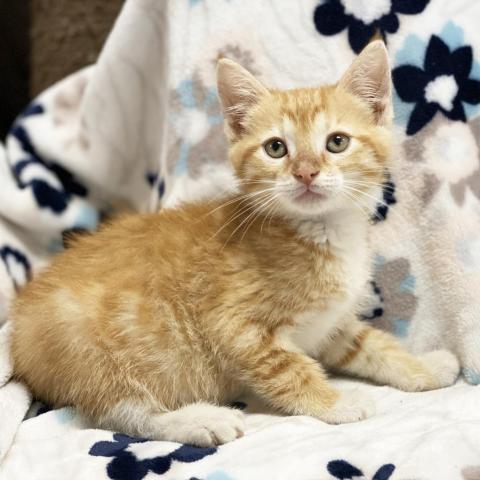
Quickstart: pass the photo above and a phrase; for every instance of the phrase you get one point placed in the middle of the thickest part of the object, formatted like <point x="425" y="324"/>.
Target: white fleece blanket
<point x="414" y="436"/>
<point x="143" y="128"/>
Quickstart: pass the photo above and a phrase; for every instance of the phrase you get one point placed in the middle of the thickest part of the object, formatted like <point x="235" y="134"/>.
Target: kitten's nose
<point x="306" y="175"/>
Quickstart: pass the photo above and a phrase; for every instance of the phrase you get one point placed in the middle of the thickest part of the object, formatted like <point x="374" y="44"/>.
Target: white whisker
<point x="241" y="199"/>
<point x="236" y="214"/>
<point x="362" y="207"/>
<point x="271" y="211"/>
<point x="260" y="210"/>
<point x="257" y="211"/>
<point x="377" y="200"/>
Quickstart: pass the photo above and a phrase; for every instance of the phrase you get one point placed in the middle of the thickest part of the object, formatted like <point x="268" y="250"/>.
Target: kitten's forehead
<point x="311" y="108"/>
<point x="302" y="106"/>
<point x="290" y="134"/>
<point x="305" y="135"/>
<point x="321" y="127"/>
<point x="305" y="120"/>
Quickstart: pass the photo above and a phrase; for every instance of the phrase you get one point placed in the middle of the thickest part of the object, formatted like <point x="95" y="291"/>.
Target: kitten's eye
<point x="275" y="148"/>
<point x="337" y="142"/>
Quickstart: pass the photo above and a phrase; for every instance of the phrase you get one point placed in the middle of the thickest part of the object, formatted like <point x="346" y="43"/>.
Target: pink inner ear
<point x="369" y="79"/>
<point x="238" y="91"/>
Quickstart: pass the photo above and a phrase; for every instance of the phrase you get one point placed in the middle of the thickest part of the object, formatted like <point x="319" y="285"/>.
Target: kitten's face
<point x="310" y="151"/>
<point x="314" y="150"/>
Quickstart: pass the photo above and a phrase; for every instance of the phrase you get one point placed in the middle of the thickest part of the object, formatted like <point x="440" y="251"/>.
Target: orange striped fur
<point x="153" y="324"/>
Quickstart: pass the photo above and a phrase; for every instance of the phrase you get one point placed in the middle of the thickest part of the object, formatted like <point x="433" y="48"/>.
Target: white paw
<point x="443" y="365"/>
<point x="352" y="406"/>
<point x="201" y="424"/>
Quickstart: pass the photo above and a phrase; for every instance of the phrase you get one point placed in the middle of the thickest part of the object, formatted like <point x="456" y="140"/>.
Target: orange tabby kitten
<point x="153" y="323"/>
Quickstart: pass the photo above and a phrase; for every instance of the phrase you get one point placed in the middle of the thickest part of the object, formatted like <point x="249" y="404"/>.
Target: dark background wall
<point x="14" y="60"/>
<point x="67" y="35"/>
<point x="41" y="41"/>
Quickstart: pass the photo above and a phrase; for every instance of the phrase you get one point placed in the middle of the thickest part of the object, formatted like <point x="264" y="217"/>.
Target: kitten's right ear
<point x="238" y="90"/>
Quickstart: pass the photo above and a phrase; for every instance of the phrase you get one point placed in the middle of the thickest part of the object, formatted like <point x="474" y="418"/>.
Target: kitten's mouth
<point x="309" y="196"/>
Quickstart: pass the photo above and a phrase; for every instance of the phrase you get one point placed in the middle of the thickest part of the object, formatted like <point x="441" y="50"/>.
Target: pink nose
<point x="305" y="175"/>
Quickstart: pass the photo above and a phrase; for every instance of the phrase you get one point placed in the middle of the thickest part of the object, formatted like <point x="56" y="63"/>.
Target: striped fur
<point x="143" y="322"/>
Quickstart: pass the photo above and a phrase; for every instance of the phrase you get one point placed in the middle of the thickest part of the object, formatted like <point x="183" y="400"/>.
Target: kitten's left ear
<point x="238" y="90"/>
<point x="369" y="78"/>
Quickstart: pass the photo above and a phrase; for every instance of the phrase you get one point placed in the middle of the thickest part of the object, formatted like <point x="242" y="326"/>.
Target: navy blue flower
<point x="363" y="21"/>
<point x="32" y="109"/>
<point x="238" y="405"/>
<point x="387" y="200"/>
<point x="155" y="181"/>
<point x="151" y="178"/>
<point x="343" y="470"/>
<point x="377" y="310"/>
<point x="12" y="257"/>
<point x="43" y="408"/>
<point x="126" y="466"/>
<point x="385" y="472"/>
<point x="443" y="85"/>
<point x="46" y="195"/>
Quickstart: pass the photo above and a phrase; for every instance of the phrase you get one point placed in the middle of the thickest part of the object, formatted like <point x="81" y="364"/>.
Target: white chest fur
<point x="346" y="237"/>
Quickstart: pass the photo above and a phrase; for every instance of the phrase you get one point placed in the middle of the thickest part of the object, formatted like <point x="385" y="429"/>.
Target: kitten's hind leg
<point x="364" y="351"/>
<point x="199" y="424"/>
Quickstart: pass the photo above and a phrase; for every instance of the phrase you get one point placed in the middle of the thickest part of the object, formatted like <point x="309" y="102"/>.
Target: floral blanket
<point x="426" y="436"/>
<point x="142" y="129"/>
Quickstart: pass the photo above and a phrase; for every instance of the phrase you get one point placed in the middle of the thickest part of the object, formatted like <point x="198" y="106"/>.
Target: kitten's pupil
<point x="276" y="145"/>
<point x="337" y="140"/>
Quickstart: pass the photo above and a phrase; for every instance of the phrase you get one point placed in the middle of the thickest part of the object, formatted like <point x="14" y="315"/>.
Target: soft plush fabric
<point x="414" y="436"/>
<point x="14" y="397"/>
<point x="143" y="129"/>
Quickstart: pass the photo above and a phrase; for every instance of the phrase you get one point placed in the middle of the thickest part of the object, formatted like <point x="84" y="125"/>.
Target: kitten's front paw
<point x="202" y="424"/>
<point x="352" y="406"/>
<point x="444" y="367"/>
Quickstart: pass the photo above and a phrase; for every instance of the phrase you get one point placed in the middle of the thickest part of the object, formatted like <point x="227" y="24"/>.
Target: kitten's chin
<point x="311" y="204"/>
<point x="308" y="204"/>
<point x="317" y="203"/>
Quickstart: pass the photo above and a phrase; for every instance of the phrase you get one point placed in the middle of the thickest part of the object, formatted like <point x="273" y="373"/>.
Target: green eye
<point x="337" y="142"/>
<point x="275" y="148"/>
